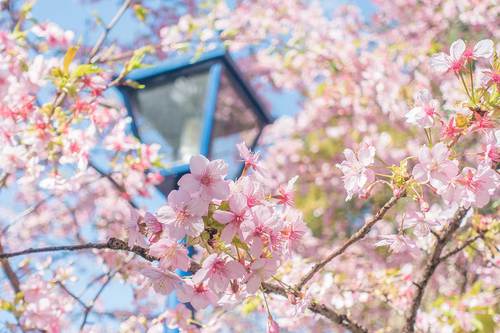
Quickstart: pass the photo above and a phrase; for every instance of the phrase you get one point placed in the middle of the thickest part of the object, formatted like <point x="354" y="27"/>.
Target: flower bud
<point x="272" y="326"/>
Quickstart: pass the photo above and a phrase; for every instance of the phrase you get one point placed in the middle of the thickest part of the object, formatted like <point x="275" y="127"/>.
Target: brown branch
<point x="111" y="244"/>
<point x="325" y="311"/>
<point x="459" y="248"/>
<point x="360" y="234"/>
<point x="120" y="245"/>
<point x="9" y="272"/>
<point x="433" y="261"/>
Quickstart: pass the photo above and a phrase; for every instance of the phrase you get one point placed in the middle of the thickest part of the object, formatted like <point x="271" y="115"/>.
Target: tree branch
<point x="102" y="38"/>
<point x="120" y="245"/>
<point x="459" y="248"/>
<point x="360" y="234"/>
<point x="433" y="261"/>
<point x="111" y="244"/>
<point x="9" y="272"/>
<point x="321" y="309"/>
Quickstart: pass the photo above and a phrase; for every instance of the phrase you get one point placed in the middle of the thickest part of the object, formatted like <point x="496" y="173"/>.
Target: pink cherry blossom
<point x="154" y="227"/>
<point x="477" y="186"/>
<point x="172" y="255"/>
<point x="260" y="270"/>
<point x="199" y="295"/>
<point x="425" y="110"/>
<point x="218" y="272"/>
<point x="434" y="166"/>
<point x="251" y="159"/>
<point x="421" y="222"/>
<point x="455" y="61"/>
<point x="355" y="168"/>
<point x="285" y="194"/>
<point x="483" y="49"/>
<point x="164" y="282"/>
<point x="233" y="218"/>
<point x="178" y="317"/>
<point x="182" y="215"/>
<point x="135" y="237"/>
<point x="293" y="231"/>
<point x="252" y="190"/>
<point x="396" y="243"/>
<point x="206" y="178"/>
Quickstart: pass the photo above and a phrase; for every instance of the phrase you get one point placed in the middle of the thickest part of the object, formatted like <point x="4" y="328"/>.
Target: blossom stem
<point x="472" y="82"/>
<point x="461" y="77"/>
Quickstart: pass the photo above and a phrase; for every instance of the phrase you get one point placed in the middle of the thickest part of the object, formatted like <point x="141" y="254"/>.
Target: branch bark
<point x="120" y="245"/>
<point x="433" y="261"/>
<point x="111" y="244"/>
<point x="9" y="272"/>
<point x="360" y="234"/>
<point x="325" y="311"/>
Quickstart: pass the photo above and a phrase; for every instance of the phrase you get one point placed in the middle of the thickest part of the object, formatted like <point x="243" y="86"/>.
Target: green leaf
<point x="85" y="69"/>
<point x="140" y="12"/>
<point x="484" y="323"/>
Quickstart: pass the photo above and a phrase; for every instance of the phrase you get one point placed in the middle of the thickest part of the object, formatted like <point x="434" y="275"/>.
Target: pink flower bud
<point x="424" y="205"/>
<point x="272" y="326"/>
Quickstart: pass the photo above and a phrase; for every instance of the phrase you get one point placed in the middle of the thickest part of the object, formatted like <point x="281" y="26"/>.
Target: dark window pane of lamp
<point x="234" y="123"/>
<point x="171" y="114"/>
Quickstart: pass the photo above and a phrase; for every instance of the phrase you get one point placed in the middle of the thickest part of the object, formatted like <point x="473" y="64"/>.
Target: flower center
<point x="206" y="180"/>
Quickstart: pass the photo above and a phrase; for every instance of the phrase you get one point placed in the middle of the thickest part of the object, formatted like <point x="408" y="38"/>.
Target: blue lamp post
<point x="203" y="107"/>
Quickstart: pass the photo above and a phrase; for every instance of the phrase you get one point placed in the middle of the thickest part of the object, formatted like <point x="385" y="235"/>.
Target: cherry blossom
<point x="425" y="110"/>
<point x="182" y="215"/>
<point x="434" y="166"/>
<point x="355" y="168"/>
<point x="198" y="295"/>
<point x="163" y="282"/>
<point x="260" y="270"/>
<point x="218" y="272"/>
<point x="206" y="178"/>
<point x="172" y="255"/>
<point x="233" y="218"/>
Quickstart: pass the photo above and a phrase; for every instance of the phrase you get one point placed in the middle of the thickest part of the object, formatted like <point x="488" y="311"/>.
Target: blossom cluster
<point x="241" y="231"/>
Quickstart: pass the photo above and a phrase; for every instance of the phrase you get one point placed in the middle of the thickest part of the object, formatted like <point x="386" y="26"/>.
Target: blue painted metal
<point x="210" y="108"/>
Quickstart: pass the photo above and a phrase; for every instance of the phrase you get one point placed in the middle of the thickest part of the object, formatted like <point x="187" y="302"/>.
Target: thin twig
<point x="107" y="29"/>
<point x="88" y="309"/>
<point x="433" y="261"/>
<point x="360" y="234"/>
<point x="459" y="248"/>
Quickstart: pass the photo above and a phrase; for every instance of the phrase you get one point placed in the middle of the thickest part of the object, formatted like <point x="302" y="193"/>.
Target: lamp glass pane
<point x="171" y="114"/>
<point x="234" y="122"/>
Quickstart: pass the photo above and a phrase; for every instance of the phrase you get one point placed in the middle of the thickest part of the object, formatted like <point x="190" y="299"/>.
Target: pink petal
<point x="223" y="217"/>
<point x="220" y="189"/>
<point x="198" y="164"/>
<point x="457" y="48"/>
<point x="440" y="63"/>
<point x="228" y="233"/>
<point x="189" y="183"/>
<point x="483" y="49"/>
<point x="420" y="173"/>
<point x="253" y="284"/>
